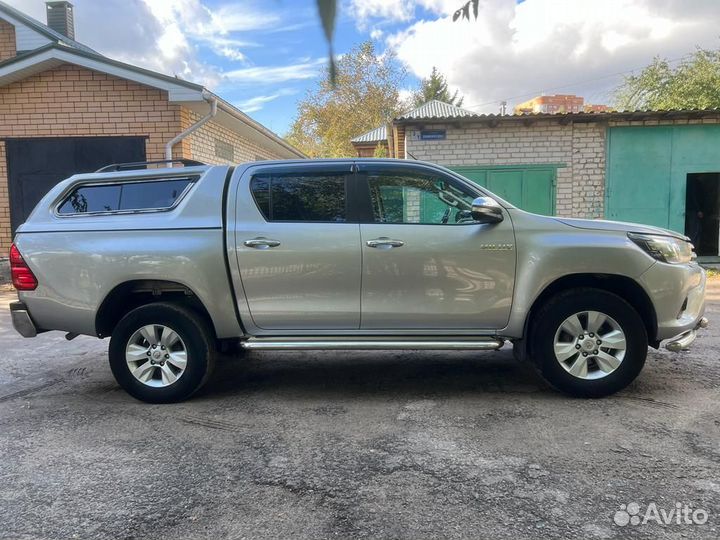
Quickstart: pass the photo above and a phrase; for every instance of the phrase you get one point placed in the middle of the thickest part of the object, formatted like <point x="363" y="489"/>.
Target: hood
<point x="603" y="225"/>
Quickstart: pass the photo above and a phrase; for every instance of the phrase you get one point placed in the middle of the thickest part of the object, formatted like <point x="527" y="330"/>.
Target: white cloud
<point x="256" y="103"/>
<point x="391" y="10"/>
<point x="514" y="51"/>
<point x="168" y="35"/>
<point x="275" y="74"/>
<point x="376" y="33"/>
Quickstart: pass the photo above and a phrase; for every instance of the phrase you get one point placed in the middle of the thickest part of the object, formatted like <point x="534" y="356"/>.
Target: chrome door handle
<point x="384" y="243"/>
<point x="261" y="243"/>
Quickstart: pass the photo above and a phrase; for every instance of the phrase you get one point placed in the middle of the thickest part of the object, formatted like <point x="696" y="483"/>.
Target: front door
<point x="298" y="248"/>
<point x="426" y="263"/>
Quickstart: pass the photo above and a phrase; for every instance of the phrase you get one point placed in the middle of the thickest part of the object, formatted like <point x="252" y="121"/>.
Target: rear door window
<point x="128" y="196"/>
<point x="318" y="197"/>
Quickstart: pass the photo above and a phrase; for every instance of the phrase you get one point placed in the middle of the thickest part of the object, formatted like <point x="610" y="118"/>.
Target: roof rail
<point x="137" y="164"/>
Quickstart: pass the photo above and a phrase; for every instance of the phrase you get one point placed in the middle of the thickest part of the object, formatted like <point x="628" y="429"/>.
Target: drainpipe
<point x="213" y="111"/>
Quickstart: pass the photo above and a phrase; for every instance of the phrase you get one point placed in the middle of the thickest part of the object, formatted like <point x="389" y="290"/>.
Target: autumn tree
<point x="435" y="87"/>
<point x="365" y="95"/>
<point x="693" y="84"/>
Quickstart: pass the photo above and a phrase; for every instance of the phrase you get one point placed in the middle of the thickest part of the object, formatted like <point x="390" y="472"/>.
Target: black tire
<point x="551" y="316"/>
<point x="197" y="340"/>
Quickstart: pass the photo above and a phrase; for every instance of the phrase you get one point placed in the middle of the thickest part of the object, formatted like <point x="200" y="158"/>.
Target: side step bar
<point x="371" y="343"/>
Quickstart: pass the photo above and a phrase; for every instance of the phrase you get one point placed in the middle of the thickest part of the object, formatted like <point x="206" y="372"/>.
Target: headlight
<point x="664" y="248"/>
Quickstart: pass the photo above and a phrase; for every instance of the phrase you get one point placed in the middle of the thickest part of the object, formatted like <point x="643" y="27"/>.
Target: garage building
<point x="655" y="167"/>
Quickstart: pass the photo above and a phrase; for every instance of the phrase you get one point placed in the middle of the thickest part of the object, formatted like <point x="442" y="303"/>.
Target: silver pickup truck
<point x="177" y="263"/>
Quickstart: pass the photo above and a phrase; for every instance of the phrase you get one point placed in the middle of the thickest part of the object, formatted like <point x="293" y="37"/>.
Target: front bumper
<point x="21" y="320"/>
<point x="683" y="341"/>
<point x="677" y="292"/>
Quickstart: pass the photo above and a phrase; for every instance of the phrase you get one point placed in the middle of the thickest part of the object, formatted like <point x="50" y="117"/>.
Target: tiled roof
<point x="374" y="135"/>
<point x="435" y="109"/>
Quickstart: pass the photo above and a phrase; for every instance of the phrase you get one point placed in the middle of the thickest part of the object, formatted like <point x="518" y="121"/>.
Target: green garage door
<point x="531" y="188"/>
<point x="647" y="170"/>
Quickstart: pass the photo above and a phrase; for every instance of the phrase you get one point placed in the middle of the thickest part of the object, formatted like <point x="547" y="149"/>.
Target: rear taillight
<point x="22" y="277"/>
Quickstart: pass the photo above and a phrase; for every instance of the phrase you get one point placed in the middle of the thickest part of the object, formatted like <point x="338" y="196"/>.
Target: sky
<point x="265" y="55"/>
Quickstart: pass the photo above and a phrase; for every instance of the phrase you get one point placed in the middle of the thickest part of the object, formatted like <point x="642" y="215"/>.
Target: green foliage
<point x="381" y="151"/>
<point x="693" y="84"/>
<point x="435" y="87"/>
<point x="364" y="95"/>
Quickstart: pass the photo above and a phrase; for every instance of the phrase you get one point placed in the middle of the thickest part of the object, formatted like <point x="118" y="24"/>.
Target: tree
<point x="365" y="95"/>
<point x="693" y="84"/>
<point x="435" y="87"/>
<point x="381" y="151"/>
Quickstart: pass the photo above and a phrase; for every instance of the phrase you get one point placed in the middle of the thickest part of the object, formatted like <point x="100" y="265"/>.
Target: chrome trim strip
<point x="192" y="180"/>
<point x="279" y="344"/>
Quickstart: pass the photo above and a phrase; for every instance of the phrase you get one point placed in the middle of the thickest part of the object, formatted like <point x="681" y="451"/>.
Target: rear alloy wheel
<point x="161" y="353"/>
<point x="156" y="356"/>
<point x="588" y="342"/>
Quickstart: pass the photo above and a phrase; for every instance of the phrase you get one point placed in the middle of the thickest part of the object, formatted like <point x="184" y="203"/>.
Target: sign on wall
<point x="433" y="135"/>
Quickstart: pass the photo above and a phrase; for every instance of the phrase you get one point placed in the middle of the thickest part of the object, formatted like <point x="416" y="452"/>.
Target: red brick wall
<point x="7" y="40"/>
<point x="201" y="144"/>
<point x="70" y="101"/>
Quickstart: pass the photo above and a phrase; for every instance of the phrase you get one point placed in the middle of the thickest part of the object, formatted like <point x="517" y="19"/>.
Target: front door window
<point x="419" y="199"/>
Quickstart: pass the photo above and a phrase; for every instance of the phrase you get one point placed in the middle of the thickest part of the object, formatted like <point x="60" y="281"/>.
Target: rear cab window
<point x="309" y="197"/>
<point x="130" y="196"/>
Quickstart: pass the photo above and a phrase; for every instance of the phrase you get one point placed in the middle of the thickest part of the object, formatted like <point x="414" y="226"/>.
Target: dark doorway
<point x="36" y="165"/>
<point x="702" y="212"/>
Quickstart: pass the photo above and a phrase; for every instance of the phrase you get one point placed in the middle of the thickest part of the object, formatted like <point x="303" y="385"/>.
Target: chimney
<point x="60" y="17"/>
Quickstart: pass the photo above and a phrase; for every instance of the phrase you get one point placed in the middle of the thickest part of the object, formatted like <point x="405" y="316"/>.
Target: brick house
<point x="651" y="167"/>
<point x="64" y="108"/>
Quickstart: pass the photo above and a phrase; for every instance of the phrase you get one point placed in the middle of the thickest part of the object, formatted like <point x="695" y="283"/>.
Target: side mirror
<point x="486" y="210"/>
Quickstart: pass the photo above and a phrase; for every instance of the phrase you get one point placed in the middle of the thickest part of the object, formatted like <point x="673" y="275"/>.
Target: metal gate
<point x="531" y="187"/>
<point x="36" y="165"/>
<point x="647" y="170"/>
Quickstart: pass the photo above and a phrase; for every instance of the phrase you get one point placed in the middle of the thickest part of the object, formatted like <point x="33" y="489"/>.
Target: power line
<point x="579" y="83"/>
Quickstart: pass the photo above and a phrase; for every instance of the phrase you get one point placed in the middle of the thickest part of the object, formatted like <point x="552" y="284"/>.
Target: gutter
<point x="212" y="100"/>
<point x="236" y="113"/>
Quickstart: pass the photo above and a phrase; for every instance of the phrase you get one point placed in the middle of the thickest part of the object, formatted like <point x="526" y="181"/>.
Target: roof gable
<point x="374" y="135"/>
<point x="52" y="55"/>
<point x="43" y="34"/>
<point x="435" y="109"/>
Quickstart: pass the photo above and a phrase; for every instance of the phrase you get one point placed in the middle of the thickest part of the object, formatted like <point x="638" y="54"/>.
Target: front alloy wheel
<point x="588" y="342"/>
<point x="590" y="345"/>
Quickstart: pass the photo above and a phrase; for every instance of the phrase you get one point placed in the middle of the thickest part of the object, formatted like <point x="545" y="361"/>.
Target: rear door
<point x="298" y="247"/>
<point x="426" y="263"/>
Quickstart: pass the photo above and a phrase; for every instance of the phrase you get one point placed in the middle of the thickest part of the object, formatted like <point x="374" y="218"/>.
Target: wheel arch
<point x="129" y="295"/>
<point x="627" y="288"/>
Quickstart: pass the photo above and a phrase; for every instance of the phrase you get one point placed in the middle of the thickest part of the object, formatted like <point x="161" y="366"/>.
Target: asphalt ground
<point x="407" y="445"/>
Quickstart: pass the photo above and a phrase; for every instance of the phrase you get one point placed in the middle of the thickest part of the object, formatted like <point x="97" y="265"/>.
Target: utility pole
<point x="503" y="108"/>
